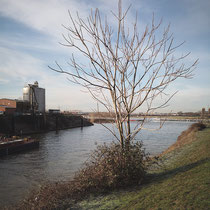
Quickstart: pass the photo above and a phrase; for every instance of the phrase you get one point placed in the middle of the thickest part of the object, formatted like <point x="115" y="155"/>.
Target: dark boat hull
<point x="15" y="147"/>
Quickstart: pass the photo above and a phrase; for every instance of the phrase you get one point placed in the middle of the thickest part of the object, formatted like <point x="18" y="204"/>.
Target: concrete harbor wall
<point x="28" y="124"/>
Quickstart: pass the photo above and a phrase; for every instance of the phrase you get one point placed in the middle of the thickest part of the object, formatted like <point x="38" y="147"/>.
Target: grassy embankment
<point x="183" y="181"/>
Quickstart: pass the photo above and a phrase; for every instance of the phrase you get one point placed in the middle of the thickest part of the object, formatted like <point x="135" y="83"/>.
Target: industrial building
<point x="35" y="95"/>
<point x="7" y="106"/>
<point x="33" y="101"/>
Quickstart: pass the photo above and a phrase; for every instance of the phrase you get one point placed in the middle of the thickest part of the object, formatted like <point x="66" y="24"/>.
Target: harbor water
<point x="61" y="154"/>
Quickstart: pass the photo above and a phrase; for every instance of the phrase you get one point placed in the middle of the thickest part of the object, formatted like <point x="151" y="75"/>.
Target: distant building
<point x="54" y="111"/>
<point x="33" y="101"/>
<point x="35" y="95"/>
<point x="7" y="110"/>
<point x="8" y="102"/>
<point x="22" y="106"/>
<point x="9" y="106"/>
<point x="203" y="112"/>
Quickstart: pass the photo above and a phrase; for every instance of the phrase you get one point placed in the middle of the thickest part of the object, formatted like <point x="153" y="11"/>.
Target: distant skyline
<point x="30" y="32"/>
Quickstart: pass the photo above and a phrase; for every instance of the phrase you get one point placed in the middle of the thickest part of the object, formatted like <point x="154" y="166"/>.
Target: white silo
<point x="26" y="93"/>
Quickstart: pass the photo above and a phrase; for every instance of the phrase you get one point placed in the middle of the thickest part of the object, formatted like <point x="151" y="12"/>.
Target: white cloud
<point x="47" y="17"/>
<point x="18" y="65"/>
<point x="41" y="15"/>
<point x="29" y="44"/>
<point x="20" y="68"/>
<point x="3" y="81"/>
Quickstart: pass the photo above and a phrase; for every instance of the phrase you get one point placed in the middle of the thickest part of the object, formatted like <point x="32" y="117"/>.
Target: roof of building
<point x="8" y="99"/>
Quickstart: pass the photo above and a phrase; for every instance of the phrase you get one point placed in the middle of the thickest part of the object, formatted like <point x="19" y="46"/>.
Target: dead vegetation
<point x="107" y="169"/>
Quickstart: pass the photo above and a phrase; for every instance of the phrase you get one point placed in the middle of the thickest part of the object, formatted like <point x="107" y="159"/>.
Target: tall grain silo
<point x="36" y="96"/>
<point x="26" y="93"/>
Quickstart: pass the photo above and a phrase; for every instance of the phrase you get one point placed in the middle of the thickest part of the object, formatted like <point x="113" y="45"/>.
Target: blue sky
<point x="30" y="32"/>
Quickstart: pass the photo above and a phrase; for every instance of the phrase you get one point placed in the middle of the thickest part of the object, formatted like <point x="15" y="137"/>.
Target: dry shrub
<point x="107" y="168"/>
<point x="198" y="126"/>
<point x="49" y="196"/>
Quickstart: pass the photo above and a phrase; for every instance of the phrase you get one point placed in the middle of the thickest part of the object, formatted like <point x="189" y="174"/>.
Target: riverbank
<point x="153" y="118"/>
<point x="180" y="182"/>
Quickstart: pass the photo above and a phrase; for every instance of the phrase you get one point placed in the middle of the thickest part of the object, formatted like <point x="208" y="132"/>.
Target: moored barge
<point x="17" y="145"/>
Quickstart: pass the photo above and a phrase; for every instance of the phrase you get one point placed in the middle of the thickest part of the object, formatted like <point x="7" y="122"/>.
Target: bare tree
<point x="126" y="70"/>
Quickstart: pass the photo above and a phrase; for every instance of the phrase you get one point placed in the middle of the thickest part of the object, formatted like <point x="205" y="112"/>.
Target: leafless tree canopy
<point x="126" y="69"/>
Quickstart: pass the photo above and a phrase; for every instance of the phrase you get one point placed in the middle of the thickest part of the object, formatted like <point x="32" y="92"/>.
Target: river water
<point x="61" y="154"/>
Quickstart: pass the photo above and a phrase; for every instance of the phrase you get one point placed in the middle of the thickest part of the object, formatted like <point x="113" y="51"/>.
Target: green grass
<point x="183" y="182"/>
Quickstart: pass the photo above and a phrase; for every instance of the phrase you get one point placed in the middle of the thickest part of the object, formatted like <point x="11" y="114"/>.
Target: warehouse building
<point x="33" y="101"/>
